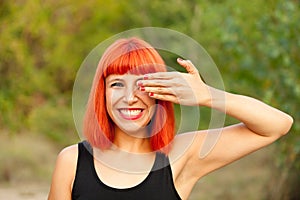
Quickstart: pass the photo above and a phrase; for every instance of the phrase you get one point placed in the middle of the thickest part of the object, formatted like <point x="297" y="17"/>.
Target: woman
<point x="130" y="148"/>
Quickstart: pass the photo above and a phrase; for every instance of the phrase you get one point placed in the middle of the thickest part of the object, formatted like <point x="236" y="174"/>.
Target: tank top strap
<point x="161" y="161"/>
<point x="87" y="146"/>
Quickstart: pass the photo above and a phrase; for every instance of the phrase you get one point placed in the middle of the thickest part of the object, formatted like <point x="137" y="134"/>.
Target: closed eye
<point x="117" y="84"/>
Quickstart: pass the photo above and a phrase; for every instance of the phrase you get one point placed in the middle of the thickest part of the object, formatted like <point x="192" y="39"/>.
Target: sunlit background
<point x="254" y="43"/>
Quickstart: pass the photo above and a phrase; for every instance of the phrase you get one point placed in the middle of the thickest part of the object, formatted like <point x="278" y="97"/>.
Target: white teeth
<point x="130" y="112"/>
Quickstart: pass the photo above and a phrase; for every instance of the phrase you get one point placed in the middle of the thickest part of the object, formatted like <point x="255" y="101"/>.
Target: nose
<point x="131" y="95"/>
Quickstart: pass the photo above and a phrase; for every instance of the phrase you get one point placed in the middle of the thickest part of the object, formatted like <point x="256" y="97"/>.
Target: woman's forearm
<point x="256" y="115"/>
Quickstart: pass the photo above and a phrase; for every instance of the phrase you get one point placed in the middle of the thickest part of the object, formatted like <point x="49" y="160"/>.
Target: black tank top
<point x="87" y="185"/>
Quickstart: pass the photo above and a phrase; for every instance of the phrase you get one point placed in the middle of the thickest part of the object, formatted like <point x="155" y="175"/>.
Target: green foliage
<point x="271" y="65"/>
<point x="55" y="121"/>
<point x="255" y="44"/>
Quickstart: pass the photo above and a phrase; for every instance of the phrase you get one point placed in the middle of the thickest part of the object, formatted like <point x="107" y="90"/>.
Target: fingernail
<point x="179" y="59"/>
<point x="151" y="94"/>
<point x="142" y="88"/>
<point x="139" y="83"/>
<point x="146" y="77"/>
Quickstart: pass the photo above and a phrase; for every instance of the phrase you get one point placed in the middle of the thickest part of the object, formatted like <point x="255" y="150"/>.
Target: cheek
<point x="112" y="98"/>
<point x="151" y="104"/>
<point x="152" y="110"/>
<point x="109" y="102"/>
<point x="150" y="101"/>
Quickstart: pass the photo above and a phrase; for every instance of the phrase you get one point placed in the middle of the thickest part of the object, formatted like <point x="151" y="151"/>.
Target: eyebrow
<point x="114" y="79"/>
<point x="120" y="79"/>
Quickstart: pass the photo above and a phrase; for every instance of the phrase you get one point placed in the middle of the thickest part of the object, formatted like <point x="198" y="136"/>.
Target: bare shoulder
<point x="68" y="154"/>
<point x="64" y="173"/>
<point x="67" y="160"/>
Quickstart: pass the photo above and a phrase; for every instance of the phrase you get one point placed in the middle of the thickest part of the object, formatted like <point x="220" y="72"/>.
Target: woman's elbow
<point x="287" y="123"/>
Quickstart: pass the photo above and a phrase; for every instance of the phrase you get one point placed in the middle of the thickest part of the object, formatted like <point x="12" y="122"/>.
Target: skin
<point x="260" y="125"/>
<point x="122" y="93"/>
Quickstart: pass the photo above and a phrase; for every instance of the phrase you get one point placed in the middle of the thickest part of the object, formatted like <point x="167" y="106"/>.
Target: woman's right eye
<point x="117" y="84"/>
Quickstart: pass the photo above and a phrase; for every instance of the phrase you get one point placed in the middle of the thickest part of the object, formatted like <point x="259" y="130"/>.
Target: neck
<point x="133" y="143"/>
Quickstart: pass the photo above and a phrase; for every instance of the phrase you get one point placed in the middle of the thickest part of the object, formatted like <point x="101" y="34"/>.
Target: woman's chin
<point x="135" y="131"/>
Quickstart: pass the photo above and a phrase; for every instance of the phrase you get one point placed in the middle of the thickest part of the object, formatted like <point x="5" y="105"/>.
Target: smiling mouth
<point x="131" y="113"/>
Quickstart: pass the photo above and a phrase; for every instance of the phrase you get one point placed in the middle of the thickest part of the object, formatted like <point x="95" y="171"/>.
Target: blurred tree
<point x="255" y="44"/>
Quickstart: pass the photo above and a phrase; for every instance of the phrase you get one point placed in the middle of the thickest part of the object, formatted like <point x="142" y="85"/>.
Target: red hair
<point x="137" y="57"/>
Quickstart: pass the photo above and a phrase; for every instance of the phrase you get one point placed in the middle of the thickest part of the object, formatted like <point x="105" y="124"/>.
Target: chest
<point x="96" y="180"/>
<point x="120" y="177"/>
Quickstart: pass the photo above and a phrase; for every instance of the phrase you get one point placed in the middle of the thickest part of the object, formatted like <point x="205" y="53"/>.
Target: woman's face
<point x="129" y="108"/>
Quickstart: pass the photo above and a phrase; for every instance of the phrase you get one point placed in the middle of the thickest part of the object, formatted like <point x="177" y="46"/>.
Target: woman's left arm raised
<point x="260" y="124"/>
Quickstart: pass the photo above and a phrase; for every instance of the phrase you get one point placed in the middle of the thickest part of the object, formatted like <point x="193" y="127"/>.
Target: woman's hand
<point x="181" y="88"/>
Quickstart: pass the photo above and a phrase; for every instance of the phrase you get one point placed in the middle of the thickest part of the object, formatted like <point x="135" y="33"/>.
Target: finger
<point x="154" y="83"/>
<point x="188" y="65"/>
<point x="158" y="90"/>
<point x="160" y="75"/>
<point x="163" y="97"/>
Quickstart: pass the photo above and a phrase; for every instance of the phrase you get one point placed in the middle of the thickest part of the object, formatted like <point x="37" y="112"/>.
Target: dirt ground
<point x="24" y="192"/>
